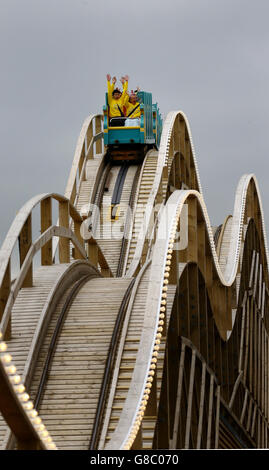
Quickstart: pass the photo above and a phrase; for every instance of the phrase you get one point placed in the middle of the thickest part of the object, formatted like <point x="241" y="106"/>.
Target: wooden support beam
<point x="250" y="403"/>
<point x="210" y="413"/>
<point x="192" y="231"/>
<point x="174" y="440"/>
<point x="244" y="407"/>
<point x="182" y="142"/>
<point x="46" y="222"/>
<point x="242" y="333"/>
<point x="64" y="243"/>
<point x="89" y="141"/>
<point x="183" y="176"/>
<point x="176" y="134"/>
<point x="4" y="294"/>
<point x="194" y="311"/>
<point x="15" y="416"/>
<point x="183" y="306"/>
<point x="77" y="227"/>
<point x="98" y="129"/>
<point x="203" y="318"/>
<point x="266" y="388"/>
<point x="247" y="340"/>
<point x="172" y="352"/>
<point x="81" y="165"/>
<point x="201" y="259"/>
<point x="201" y="406"/>
<point x="217" y="417"/>
<point x="164" y="408"/>
<point x="190" y="397"/>
<point x="25" y="242"/>
<point x="236" y="385"/>
<point x="93" y="253"/>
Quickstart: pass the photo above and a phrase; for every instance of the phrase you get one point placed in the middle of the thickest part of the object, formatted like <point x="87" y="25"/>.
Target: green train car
<point x="125" y="141"/>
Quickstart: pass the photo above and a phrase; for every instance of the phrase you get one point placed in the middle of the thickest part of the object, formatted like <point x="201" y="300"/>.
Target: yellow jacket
<point x="130" y="107"/>
<point x="112" y="103"/>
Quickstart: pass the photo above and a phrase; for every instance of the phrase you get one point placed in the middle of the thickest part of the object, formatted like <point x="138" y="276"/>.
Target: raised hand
<point x="108" y="77"/>
<point x="114" y="79"/>
<point x="127" y="78"/>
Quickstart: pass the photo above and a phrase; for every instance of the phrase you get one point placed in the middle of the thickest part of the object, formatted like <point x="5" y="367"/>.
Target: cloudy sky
<point x="208" y="58"/>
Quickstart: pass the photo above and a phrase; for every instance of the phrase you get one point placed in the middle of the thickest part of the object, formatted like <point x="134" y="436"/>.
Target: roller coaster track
<point x="144" y="327"/>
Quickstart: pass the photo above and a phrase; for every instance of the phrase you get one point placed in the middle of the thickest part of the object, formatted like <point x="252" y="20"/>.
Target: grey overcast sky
<point x="208" y="58"/>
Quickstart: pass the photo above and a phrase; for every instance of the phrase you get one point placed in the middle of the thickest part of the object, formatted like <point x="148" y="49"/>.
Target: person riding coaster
<point x="133" y="111"/>
<point x="116" y="100"/>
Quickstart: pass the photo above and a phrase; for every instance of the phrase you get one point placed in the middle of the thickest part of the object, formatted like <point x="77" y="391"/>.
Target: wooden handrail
<point x="19" y="222"/>
<point x="21" y="231"/>
<point x="53" y="231"/>
<point x="83" y="152"/>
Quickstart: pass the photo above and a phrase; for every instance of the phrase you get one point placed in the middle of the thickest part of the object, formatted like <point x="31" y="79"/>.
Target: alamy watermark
<point x="118" y="222"/>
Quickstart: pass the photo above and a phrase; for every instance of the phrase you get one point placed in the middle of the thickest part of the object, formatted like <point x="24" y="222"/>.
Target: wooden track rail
<point x="109" y="368"/>
<point x="153" y="342"/>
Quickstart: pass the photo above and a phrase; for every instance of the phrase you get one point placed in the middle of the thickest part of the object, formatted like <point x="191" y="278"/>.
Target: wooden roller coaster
<point x="142" y="326"/>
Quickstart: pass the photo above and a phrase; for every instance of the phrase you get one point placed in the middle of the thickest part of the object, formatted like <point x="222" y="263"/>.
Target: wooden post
<point x="46" y="222"/>
<point x="182" y="140"/>
<point x="210" y="413"/>
<point x="25" y="242"/>
<point x="81" y="166"/>
<point x="164" y="417"/>
<point x="201" y="406"/>
<point x="173" y="443"/>
<point x="190" y="396"/>
<point x="64" y="243"/>
<point x="203" y="318"/>
<point x="192" y="231"/>
<point x="77" y="226"/>
<point x="93" y="253"/>
<point x="4" y="294"/>
<point x="98" y="129"/>
<point x="194" y="312"/>
<point x="217" y="417"/>
<point x="89" y="137"/>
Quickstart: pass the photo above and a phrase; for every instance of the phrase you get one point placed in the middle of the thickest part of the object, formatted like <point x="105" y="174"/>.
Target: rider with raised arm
<point x="116" y="99"/>
<point x="133" y="111"/>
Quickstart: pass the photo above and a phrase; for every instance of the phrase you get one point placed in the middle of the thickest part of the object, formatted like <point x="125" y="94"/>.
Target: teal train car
<point x="130" y="142"/>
